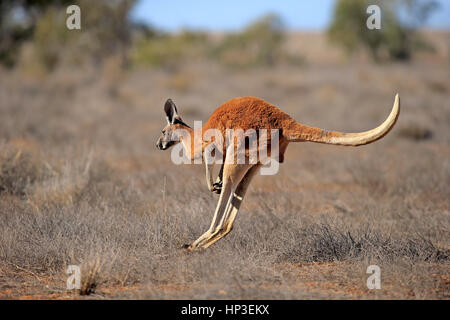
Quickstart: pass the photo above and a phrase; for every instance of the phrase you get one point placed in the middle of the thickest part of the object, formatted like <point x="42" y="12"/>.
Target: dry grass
<point x="81" y="183"/>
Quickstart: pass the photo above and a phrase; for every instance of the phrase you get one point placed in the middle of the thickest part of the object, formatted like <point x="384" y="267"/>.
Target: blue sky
<point x="172" y="15"/>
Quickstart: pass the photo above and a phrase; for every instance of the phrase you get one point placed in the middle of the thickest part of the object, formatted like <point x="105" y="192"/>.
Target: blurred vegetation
<point x="18" y="21"/>
<point x="41" y="24"/>
<point x="33" y="33"/>
<point x="19" y="170"/>
<point x="107" y="28"/>
<point x="154" y="48"/>
<point x="36" y="32"/>
<point x="398" y="37"/>
<point x="49" y="40"/>
<point x="259" y="44"/>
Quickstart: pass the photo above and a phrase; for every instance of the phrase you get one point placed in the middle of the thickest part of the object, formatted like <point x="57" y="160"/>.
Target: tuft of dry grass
<point x="19" y="171"/>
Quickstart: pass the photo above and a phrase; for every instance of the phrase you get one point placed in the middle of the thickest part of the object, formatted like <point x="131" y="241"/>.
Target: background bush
<point x="397" y="37"/>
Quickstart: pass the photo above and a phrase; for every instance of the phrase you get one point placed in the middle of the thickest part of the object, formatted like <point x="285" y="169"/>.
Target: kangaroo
<point x="234" y="178"/>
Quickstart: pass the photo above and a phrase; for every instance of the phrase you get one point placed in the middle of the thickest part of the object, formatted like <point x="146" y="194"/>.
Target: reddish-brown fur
<point x="254" y="113"/>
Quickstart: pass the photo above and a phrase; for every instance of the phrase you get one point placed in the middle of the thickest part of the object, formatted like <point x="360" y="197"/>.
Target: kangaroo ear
<point x="171" y="111"/>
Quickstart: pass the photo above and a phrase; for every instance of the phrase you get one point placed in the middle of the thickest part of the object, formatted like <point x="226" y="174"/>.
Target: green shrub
<point x="397" y="38"/>
<point x="169" y="50"/>
<point x="106" y="31"/>
<point x="15" y="29"/>
<point x="50" y="38"/>
<point x="259" y="44"/>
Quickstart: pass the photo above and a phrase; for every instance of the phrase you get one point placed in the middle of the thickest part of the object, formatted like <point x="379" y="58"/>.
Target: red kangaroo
<point x="249" y="113"/>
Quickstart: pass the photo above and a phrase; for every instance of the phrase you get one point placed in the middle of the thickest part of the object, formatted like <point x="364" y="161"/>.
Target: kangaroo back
<point x="254" y="113"/>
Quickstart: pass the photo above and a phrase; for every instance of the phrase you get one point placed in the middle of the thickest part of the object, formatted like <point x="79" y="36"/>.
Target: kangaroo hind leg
<point x="232" y="175"/>
<point x="233" y="207"/>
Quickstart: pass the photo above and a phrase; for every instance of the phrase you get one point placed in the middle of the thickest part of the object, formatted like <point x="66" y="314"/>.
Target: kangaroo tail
<point x="299" y="132"/>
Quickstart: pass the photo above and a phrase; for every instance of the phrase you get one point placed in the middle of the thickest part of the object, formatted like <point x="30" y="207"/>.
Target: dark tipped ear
<point x="171" y="111"/>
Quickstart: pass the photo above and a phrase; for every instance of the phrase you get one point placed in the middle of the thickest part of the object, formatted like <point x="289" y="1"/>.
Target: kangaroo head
<point x="171" y="134"/>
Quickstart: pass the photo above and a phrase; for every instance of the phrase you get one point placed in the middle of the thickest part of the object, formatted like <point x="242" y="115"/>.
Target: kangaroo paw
<point x="217" y="187"/>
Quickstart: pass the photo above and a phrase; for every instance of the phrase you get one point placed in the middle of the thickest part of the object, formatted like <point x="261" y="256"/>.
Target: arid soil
<point x="82" y="183"/>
